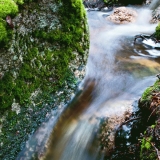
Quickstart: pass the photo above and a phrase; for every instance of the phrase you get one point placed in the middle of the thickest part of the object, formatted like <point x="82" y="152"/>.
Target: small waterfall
<point x="113" y="92"/>
<point x="119" y="76"/>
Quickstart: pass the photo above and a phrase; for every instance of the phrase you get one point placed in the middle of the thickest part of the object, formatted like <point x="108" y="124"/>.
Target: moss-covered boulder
<point x="7" y="8"/>
<point x="150" y="106"/>
<point x="42" y="59"/>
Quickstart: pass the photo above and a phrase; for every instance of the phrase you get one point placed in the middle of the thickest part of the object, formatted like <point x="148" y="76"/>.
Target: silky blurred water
<point x="119" y="72"/>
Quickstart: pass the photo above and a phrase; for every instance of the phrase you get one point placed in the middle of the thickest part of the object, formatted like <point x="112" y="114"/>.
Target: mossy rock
<point x="157" y="33"/>
<point x="150" y="109"/>
<point x="147" y="94"/>
<point x="8" y="7"/>
<point x="147" y="151"/>
<point x="47" y="48"/>
<point x="3" y="35"/>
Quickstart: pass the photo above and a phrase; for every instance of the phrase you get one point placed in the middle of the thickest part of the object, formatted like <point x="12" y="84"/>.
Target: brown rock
<point x="123" y="15"/>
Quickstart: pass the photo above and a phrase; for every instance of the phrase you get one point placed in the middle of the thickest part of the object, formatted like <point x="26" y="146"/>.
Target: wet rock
<point x="94" y="4"/>
<point x="154" y="4"/>
<point x="123" y="15"/>
<point x="155" y="7"/>
<point x="108" y="129"/>
<point x="156" y="15"/>
<point x="148" y="2"/>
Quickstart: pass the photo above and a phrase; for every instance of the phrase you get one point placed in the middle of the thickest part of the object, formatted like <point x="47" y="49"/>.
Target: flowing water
<point x="117" y="73"/>
<point x="154" y="4"/>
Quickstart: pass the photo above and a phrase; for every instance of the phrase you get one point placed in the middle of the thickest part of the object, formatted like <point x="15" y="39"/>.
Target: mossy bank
<point x="42" y="60"/>
<point x="150" y="106"/>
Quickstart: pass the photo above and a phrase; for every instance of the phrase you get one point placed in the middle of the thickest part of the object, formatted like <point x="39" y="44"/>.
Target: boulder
<point x="43" y="58"/>
<point x="123" y="15"/>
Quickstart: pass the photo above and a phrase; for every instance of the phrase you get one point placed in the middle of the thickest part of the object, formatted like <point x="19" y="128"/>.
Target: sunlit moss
<point x="153" y="126"/>
<point x="147" y="152"/>
<point x="146" y="96"/>
<point x="49" y="72"/>
<point x="31" y="77"/>
<point x="8" y="7"/>
<point x="157" y="33"/>
<point x="146" y="144"/>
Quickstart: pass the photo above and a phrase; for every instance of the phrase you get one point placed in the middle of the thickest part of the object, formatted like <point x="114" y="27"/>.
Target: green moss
<point x="3" y="31"/>
<point x="153" y="126"/>
<point x="147" y="151"/>
<point x="19" y="2"/>
<point x="44" y="69"/>
<point x="16" y="128"/>
<point x="33" y="75"/>
<point x="153" y="156"/>
<point x="146" y="143"/>
<point x="146" y="96"/>
<point x="36" y="73"/>
<point x="157" y="33"/>
<point x="6" y="91"/>
<point x="8" y="7"/>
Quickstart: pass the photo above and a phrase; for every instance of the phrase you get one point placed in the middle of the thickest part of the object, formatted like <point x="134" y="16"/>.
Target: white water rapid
<point x="121" y="71"/>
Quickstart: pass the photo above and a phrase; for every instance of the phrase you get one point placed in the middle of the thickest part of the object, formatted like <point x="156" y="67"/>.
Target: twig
<point x="144" y="104"/>
<point x="39" y="103"/>
<point x="151" y="114"/>
<point x="129" y="121"/>
<point x="157" y="151"/>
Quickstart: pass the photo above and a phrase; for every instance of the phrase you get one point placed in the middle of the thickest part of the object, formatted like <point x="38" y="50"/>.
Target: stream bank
<point x="121" y="71"/>
<point x="138" y="136"/>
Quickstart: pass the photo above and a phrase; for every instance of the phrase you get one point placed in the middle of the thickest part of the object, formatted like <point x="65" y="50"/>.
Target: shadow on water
<point x="63" y="126"/>
<point x="66" y="124"/>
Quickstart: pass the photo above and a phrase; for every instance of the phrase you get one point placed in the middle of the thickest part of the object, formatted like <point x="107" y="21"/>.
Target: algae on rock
<point x="150" y="106"/>
<point x="46" y="55"/>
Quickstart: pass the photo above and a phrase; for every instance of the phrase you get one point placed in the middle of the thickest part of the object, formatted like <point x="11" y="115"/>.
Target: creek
<point x="117" y="73"/>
